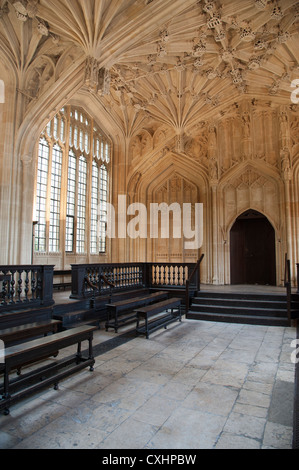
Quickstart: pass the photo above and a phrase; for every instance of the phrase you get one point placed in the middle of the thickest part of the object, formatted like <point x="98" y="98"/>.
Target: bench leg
<point x="146" y="327"/>
<point x="79" y="354"/>
<point x="116" y="323"/>
<point x="6" y="393"/>
<point x="90" y="353"/>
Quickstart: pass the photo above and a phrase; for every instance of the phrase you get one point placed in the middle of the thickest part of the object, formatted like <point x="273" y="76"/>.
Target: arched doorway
<point x="252" y="250"/>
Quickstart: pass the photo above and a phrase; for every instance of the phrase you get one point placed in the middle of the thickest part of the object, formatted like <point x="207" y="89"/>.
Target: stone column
<point x="26" y="222"/>
<point x="287" y="176"/>
<point x="286" y="173"/>
<point x="213" y="174"/>
<point x="214" y="208"/>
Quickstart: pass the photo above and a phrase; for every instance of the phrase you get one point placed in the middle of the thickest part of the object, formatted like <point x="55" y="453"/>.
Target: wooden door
<point x="252" y="255"/>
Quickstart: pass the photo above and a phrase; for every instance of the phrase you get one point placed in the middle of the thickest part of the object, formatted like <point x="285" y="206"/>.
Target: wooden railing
<point x="25" y="286"/>
<point x="195" y="274"/>
<point x="91" y="279"/>
<point x="172" y="275"/>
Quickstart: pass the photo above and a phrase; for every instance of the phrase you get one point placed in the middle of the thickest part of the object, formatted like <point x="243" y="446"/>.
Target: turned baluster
<point x="39" y="286"/>
<point x="19" y="290"/>
<point x="12" y="287"/>
<point x="183" y="276"/>
<point x="4" y="289"/>
<point x="27" y="281"/>
<point x="176" y="276"/>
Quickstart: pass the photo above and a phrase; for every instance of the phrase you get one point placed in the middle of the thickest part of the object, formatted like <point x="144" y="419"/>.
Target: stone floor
<point x="196" y="385"/>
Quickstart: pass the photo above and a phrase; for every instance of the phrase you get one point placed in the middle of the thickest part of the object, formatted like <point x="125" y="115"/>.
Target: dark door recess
<point x="252" y="250"/>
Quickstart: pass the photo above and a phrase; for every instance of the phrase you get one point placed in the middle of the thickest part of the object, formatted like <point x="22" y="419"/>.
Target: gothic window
<point x="103" y="198"/>
<point x="81" y="205"/>
<point x="71" y="202"/>
<point x="72" y="185"/>
<point x="41" y="194"/>
<point x="94" y="209"/>
<point x="56" y="172"/>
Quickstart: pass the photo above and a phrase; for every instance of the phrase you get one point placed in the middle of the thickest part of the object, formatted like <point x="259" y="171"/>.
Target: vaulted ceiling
<point x="172" y="61"/>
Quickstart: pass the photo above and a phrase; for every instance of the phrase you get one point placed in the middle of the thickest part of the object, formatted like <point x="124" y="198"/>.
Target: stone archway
<point x="252" y="250"/>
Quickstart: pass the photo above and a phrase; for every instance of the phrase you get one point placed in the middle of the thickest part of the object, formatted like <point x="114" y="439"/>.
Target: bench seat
<point x="129" y="306"/>
<point x="34" y="351"/>
<point x="145" y="313"/>
<point x="28" y="330"/>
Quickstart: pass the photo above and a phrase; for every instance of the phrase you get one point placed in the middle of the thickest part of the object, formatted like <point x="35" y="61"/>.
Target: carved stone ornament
<point x="208" y="7"/>
<point x="42" y="28"/>
<point x="92" y="74"/>
<point x="254" y="63"/>
<point x="21" y="7"/>
<point x="276" y="13"/>
<point x="214" y="21"/>
<point x="286" y="170"/>
<point x="261" y="4"/>
<point x="26" y="160"/>
<point x="21" y="17"/>
<point x="246" y="34"/>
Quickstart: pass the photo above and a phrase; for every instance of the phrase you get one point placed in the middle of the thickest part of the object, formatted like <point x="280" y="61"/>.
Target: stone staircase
<point x="250" y="308"/>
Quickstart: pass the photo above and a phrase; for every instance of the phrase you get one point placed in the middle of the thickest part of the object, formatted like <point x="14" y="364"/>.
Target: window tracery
<point x="72" y="185"/>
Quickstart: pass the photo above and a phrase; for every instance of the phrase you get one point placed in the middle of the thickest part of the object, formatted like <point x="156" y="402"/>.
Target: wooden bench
<point x="33" y="351"/>
<point x="61" y="273"/>
<point x="23" y="332"/>
<point x="144" y="313"/>
<point x="28" y="330"/>
<point x="129" y="305"/>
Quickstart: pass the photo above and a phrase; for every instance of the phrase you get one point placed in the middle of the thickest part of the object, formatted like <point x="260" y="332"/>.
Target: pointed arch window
<point x="103" y="199"/>
<point x="41" y="194"/>
<point x="55" y="198"/>
<point x="72" y="185"/>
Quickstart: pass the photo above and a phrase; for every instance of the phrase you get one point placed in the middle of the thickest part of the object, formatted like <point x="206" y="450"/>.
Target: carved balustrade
<point x="25" y="285"/>
<point x="89" y="279"/>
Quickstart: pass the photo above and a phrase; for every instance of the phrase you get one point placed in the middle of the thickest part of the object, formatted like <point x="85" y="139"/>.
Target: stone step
<point x="231" y="318"/>
<point x="239" y="310"/>
<point x="241" y="307"/>
<point x="249" y="303"/>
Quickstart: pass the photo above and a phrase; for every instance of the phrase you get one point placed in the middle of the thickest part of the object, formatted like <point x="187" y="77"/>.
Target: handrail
<point x="195" y="270"/>
<point x="94" y="287"/>
<point x="288" y="285"/>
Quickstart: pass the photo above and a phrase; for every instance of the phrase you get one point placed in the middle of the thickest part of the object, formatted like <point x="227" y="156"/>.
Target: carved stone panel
<point x="251" y="190"/>
<point x="175" y="190"/>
